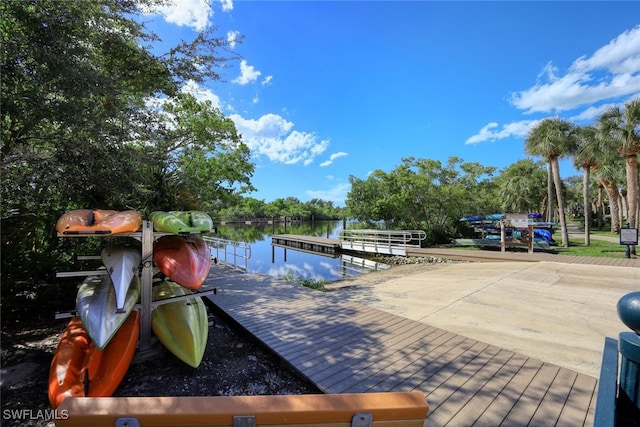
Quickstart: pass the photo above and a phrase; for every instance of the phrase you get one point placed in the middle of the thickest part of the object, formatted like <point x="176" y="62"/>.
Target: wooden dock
<point x="312" y="244"/>
<point x="346" y="347"/>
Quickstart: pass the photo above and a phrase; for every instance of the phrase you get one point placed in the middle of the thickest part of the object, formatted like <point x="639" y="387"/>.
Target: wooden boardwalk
<point x="346" y="347"/>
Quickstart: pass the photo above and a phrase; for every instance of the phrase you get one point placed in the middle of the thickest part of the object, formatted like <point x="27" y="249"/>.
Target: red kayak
<point x="185" y="260"/>
<point x="79" y="369"/>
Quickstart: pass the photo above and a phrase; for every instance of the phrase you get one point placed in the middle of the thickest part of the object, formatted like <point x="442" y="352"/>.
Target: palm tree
<point x="608" y="177"/>
<point x="587" y="157"/>
<point x="623" y="129"/>
<point x="552" y="139"/>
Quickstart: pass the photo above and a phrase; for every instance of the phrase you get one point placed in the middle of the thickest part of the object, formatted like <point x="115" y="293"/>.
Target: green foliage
<point x="423" y="194"/>
<point x="522" y="187"/>
<point x="291" y="207"/>
<point x="300" y="280"/>
<point x="78" y="130"/>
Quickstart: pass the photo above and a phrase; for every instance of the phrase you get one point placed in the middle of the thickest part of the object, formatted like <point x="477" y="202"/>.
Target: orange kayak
<point x="113" y="363"/>
<point x="87" y="221"/>
<point x="66" y="374"/>
<point x="185" y="260"/>
<point x="79" y="369"/>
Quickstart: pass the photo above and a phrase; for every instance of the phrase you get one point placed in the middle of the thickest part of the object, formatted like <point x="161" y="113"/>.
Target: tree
<point x="622" y="128"/>
<point x="423" y="194"/>
<point x="522" y="186"/>
<point x="552" y="139"/>
<point x="200" y="156"/>
<point x="78" y="131"/>
<point x="587" y="156"/>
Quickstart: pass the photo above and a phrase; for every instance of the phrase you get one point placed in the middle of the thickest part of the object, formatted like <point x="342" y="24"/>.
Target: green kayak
<point x="181" y="222"/>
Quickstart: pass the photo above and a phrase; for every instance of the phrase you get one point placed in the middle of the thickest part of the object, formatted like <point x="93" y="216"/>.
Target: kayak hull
<point x="79" y="369"/>
<point x="181" y="326"/>
<point x="66" y="374"/>
<point x="99" y="221"/>
<point x="178" y="222"/>
<point x="96" y="305"/>
<point x="184" y="260"/>
<point x="114" y="360"/>
<point x="122" y="264"/>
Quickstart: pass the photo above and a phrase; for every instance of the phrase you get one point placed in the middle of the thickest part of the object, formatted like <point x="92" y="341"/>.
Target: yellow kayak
<point x="181" y="326"/>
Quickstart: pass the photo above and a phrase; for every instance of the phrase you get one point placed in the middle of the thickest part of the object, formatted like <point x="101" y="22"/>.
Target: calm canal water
<point x="279" y="261"/>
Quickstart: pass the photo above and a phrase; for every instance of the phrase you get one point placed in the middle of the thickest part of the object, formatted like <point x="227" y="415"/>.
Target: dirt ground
<point x="234" y="362"/>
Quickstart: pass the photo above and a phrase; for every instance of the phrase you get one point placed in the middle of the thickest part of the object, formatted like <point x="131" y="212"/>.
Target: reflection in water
<point x="278" y="261"/>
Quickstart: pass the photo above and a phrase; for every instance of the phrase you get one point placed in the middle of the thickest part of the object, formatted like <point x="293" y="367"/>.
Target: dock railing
<point x="391" y="242"/>
<point x="229" y="252"/>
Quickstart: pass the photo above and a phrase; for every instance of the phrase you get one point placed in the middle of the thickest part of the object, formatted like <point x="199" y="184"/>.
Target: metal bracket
<point x="362" y="419"/>
<point x="127" y="422"/>
<point x="244" y="421"/>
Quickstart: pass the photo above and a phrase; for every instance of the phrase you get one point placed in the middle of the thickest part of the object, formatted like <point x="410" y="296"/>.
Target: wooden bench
<point x="340" y="410"/>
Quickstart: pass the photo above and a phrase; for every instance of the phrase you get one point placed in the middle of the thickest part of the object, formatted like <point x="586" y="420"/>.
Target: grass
<point x="597" y="248"/>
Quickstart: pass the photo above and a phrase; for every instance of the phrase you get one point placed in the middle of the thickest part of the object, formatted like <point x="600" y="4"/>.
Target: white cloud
<point x="201" y="94"/>
<point x="227" y="5"/>
<point x="189" y="13"/>
<point x="333" y="157"/>
<point x="493" y="131"/>
<point x="613" y="71"/>
<point x="267" y="81"/>
<point x="272" y="136"/>
<point x="337" y="194"/>
<point x="232" y="37"/>
<point x="248" y="74"/>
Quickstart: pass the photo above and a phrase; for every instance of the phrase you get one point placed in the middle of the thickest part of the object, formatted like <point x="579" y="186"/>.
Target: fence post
<point x="629" y="347"/>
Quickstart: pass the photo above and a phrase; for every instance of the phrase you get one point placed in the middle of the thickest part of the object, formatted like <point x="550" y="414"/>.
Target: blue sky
<point x="329" y="89"/>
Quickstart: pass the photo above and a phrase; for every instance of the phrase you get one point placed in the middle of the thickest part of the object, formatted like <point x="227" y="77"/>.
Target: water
<point x="278" y="262"/>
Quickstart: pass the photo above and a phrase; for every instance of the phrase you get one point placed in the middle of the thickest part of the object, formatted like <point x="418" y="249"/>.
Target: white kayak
<point x="96" y="305"/>
<point x="122" y="264"/>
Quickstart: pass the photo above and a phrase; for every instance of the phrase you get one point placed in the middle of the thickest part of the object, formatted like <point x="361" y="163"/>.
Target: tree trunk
<point x="555" y="169"/>
<point x="600" y="208"/>
<point x="549" y="193"/>
<point x="587" y="206"/>
<point x="612" y="192"/>
<point x="633" y="193"/>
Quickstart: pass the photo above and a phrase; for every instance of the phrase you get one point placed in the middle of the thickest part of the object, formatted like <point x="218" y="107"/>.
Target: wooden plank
<point x="369" y="378"/>
<point x="527" y="405"/>
<point x="496" y="411"/>
<point x="550" y="407"/>
<point x="352" y="376"/>
<point x="345" y="347"/>
<point x="483" y="390"/>
<point x="284" y="410"/>
<point x="345" y="358"/>
<point x="582" y="396"/>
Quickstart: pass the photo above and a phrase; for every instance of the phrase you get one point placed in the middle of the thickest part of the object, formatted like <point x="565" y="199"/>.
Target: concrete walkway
<point x="556" y="312"/>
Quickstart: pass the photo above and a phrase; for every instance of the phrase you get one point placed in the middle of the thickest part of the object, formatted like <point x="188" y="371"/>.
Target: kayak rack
<point x="147" y="237"/>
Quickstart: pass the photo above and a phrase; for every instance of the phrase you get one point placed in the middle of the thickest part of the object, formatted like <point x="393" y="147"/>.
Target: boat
<point x="122" y="264"/>
<point x="66" y="373"/>
<point x="107" y="368"/>
<point x="98" y="221"/>
<point x="79" y="369"/>
<point x="181" y="326"/>
<point x="96" y="305"/>
<point x="185" y="260"/>
<point x="179" y="222"/>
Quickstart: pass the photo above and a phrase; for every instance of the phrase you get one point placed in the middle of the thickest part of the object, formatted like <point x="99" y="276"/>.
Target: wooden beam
<point x="387" y="409"/>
